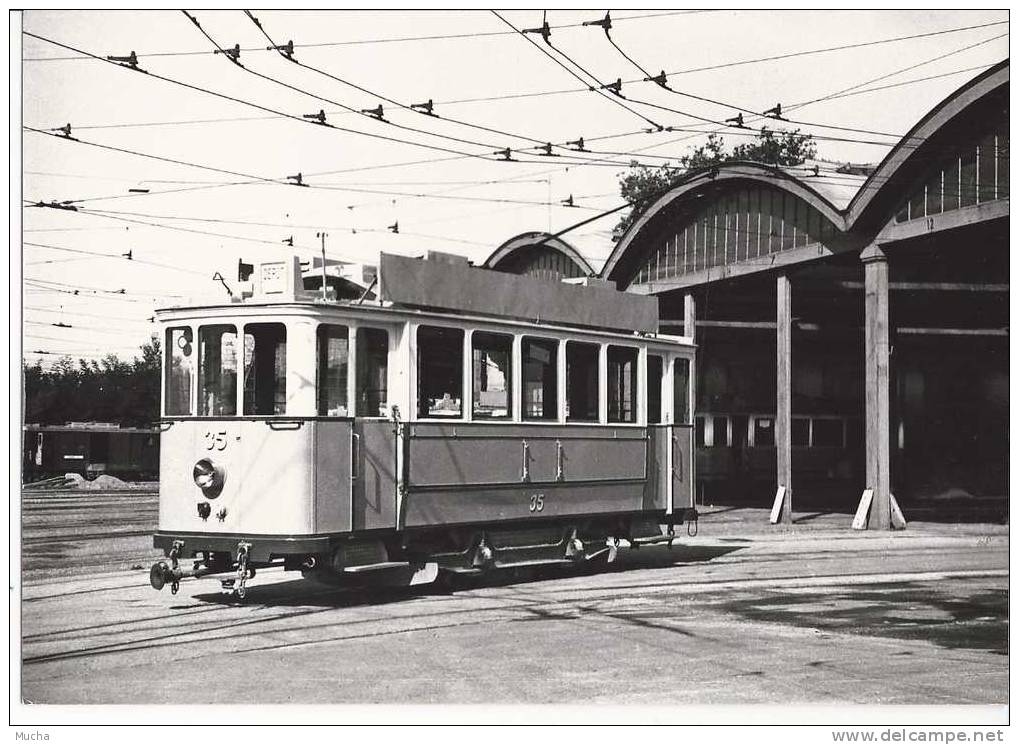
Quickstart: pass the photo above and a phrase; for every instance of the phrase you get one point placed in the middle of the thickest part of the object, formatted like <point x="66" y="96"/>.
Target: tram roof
<point x="448" y="283"/>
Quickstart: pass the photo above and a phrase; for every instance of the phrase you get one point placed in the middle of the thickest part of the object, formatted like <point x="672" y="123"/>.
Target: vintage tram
<point x="462" y="420"/>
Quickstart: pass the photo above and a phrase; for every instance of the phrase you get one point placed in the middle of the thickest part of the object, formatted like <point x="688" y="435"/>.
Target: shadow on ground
<point x="302" y="592"/>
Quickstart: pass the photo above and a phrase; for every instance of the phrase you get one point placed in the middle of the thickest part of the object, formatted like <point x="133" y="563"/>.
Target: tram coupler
<point x="162" y="574"/>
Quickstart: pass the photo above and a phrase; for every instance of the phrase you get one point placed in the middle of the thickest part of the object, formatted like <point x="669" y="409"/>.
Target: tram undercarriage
<point x="416" y="558"/>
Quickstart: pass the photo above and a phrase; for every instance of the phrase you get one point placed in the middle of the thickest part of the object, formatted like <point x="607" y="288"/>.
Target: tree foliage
<point x="106" y="390"/>
<point x="641" y="185"/>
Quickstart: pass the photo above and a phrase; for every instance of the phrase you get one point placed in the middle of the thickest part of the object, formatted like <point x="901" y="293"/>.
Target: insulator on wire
<point x="289" y="240"/>
<point x="130" y="60"/>
<point x="287" y="50"/>
<point x="129" y="255"/>
<point x="547" y="150"/>
<point x="736" y="121"/>
<point x="605" y="23"/>
<point x="376" y="112"/>
<point x="395" y="227"/>
<point x="578" y="144"/>
<point x="615" y="87"/>
<point x="775" y="111"/>
<point x="298" y="180"/>
<point x="233" y="53"/>
<point x="320" y="117"/>
<point x="506" y="154"/>
<point x="660" y="79"/>
<point x="568" y="202"/>
<point x="64" y="130"/>
<point x="545" y="31"/>
<point x="424" y="108"/>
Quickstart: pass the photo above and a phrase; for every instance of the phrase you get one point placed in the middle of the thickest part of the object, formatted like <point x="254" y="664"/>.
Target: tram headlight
<point x="208" y="477"/>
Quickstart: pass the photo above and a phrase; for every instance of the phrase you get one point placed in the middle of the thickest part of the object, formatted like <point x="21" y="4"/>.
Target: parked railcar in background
<point x="466" y="420"/>
<point x="736" y="459"/>
<point x="90" y="449"/>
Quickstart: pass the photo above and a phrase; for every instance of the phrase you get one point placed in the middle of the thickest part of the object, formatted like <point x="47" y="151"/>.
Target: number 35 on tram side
<point x="463" y="420"/>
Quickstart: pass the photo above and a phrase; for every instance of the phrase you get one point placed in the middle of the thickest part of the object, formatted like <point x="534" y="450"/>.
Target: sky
<point x="241" y="204"/>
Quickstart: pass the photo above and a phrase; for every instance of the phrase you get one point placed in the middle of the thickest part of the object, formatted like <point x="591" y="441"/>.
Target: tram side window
<point x="492" y="375"/>
<point x="333" y="358"/>
<point x="265" y="369"/>
<point x="180" y="363"/>
<point x="655" y="366"/>
<point x="581" y="382"/>
<point x="800" y="434"/>
<point x="827" y="433"/>
<point x="681" y="392"/>
<point x="440" y="371"/>
<point x="217" y="370"/>
<point x="622" y="376"/>
<point x="540" y="367"/>
<point x="764" y="432"/>
<point x="372" y="371"/>
<point x="719" y="432"/>
<point x="699" y="434"/>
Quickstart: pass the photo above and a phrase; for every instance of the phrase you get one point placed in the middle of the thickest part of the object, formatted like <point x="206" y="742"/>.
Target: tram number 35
<point x="537" y="503"/>
<point x="215" y="440"/>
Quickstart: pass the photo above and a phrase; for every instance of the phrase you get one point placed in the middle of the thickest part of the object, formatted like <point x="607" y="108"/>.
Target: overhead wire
<point x="731" y="63"/>
<point x="575" y="75"/>
<point x="354" y="42"/>
<point x="387" y="99"/>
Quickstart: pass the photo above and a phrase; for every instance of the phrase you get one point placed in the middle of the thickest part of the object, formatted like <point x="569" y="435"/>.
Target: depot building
<point x="852" y="327"/>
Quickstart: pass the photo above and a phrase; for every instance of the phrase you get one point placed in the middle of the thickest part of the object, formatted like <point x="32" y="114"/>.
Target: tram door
<point x="374" y="443"/>
<point x="682" y="435"/>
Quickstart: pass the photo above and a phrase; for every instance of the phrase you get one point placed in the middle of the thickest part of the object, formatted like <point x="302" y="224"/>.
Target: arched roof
<point x="884" y="185"/>
<point x="852" y="205"/>
<point x="824" y="197"/>
<point x="519" y="246"/>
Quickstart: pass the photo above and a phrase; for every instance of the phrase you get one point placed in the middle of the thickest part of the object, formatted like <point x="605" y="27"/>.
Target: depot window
<point x="372" y="371"/>
<point x="581" y="382"/>
<point x="217" y="370"/>
<point x="800" y="435"/>
<point x="764" y="432"/>
<point x="492" y="356"/>
<point x="827" y="433"/>
<point x="440" y="371"/>
<point x="540" y="376"/>
<point x="180" y="363"/>
<point x="265" y="369"/>
<point x="333" y="360"/>
<point x="622" y="376"/>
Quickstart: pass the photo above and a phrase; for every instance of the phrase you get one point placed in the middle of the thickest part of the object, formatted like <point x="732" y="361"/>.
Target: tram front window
<point x="540" y="359"/>
<point x="180" y="362"/>
<point x="581" y="382"/>
<point x="333" y="356"/>
<point x="440" y="371"/>
<point x="217" y="370"/>
<point x="622" y="384"/>
<point x="265" y="369"/>
<point x="372" y="371"/>
<point x="492" y="355"/>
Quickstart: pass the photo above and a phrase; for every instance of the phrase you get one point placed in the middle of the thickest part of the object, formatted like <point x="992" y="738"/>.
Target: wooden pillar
<point x="876" y="352"/>
<point x="783" y="394"/>
<point x="689" y="315"/>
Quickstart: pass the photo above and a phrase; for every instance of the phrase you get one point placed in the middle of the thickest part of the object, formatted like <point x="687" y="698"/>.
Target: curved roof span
<point x="687" y="235"/>
<point x="826" y="197"/>
<point x="925" y="141"/>
<point x="540" y="253"/>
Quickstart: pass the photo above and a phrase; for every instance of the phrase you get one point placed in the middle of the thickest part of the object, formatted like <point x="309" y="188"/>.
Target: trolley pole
<point x="323" y="237"/>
